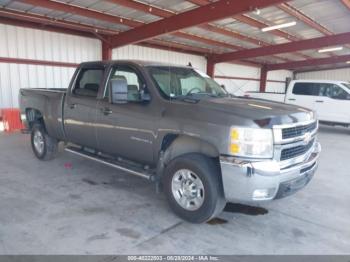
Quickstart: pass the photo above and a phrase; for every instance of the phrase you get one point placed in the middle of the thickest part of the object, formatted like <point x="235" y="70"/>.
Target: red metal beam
<point x="106" y="50"/>
<point x="199" y="2"/>
<point x="131" y="4"/>
<point x="210" y="68"/>
<point x="246" y="63"/>
<point x="263" y="78"/>
<point x="314" y="43"/>
<point x="255" y="23"/>
<point x="55" y="25"/>
<point x="239" y="36"/>
<point x="36" y="62"/>
<point x="73" y="9"/>
<point x="311" y="62"/>
<point x="211" y="12"/>
<point x="149" y="9"/>
<point x="346" y="3"/>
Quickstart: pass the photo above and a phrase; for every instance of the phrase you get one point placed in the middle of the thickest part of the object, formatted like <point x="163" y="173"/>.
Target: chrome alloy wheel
<point x="38" y="141"/>
<point x="187" y="189"/>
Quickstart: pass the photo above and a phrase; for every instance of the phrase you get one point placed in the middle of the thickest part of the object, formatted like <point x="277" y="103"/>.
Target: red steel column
<point x="263" y="78"/>
<point x="106" y="51"/>
<point x="210" y="67"/>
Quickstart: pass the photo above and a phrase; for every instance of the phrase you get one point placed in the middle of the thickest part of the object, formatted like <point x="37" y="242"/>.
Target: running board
<point x="112" y="163"/>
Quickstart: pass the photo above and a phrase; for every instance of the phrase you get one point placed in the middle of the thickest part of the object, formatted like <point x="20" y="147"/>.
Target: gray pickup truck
<point x="177" y="127"/>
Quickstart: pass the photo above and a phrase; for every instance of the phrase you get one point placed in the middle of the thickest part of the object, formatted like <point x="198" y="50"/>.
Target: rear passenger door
<point x="80" y="106"/>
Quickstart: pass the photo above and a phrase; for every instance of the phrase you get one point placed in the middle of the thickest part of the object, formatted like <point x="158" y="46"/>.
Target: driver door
<point x="126" y="130"/>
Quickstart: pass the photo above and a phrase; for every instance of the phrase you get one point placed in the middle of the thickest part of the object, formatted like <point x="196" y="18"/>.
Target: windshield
<point x="176" y="82"/>
<point x="347" y="85"/>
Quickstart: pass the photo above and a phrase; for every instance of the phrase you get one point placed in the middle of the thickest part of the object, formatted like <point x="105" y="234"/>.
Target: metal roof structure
<point x="221" y="30"/>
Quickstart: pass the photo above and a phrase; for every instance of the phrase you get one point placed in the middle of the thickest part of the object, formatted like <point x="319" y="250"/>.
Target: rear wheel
<point x="193" y="188"/>
<point x="44" y="146"/>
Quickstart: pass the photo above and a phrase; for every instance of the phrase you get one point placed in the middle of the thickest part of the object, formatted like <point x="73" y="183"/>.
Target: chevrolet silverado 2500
<point x="177" y="127"/>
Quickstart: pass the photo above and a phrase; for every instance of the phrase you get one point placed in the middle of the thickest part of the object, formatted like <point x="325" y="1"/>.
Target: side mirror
<point x="119" y="91"/>
<point x="145" y="96"/>
<point x="223" y="86"/>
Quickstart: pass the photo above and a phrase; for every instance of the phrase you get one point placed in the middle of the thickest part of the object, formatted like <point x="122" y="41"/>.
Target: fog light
<point x="261" y="194"/>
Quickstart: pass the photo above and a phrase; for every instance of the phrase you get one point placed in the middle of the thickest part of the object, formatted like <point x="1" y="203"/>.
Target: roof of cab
<point x="132" y="61"/>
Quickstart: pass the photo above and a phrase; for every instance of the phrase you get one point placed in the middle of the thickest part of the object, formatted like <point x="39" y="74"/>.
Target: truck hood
<point x="264" y="113"/>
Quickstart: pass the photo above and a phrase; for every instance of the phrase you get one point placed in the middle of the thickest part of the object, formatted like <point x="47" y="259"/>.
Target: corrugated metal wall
<point x="157" y="55"/>
<point x="239" y="87"/>
<point x="336" y="74"/>
<point x="19" y="42"/>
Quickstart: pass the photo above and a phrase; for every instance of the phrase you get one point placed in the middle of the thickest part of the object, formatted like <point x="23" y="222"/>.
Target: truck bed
<point x="47" y="100"/>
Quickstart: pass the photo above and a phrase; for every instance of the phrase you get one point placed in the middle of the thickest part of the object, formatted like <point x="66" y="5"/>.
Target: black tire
<point x="209" y="173"/>
<point x="50" y="145"/>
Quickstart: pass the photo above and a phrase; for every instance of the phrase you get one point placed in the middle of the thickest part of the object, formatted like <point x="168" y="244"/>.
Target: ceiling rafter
<point x="151" y="9"/>
<point x="201" y="15"/>
<point x="310" y="62"/>
<point x="255" y="23"/>
<point x="314" y="43"/>
<point x="111" y="18"/>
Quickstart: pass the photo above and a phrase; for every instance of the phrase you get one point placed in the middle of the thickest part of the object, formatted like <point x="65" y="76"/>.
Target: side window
<point x="334" y="91"/>
<point x="306" y="89"/>
<point x="88" y="82"/>
<point x="135" y="83"/>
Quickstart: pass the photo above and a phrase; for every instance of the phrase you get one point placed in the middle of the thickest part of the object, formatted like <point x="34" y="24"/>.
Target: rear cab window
<point x="89" y="81"/>
<point x="306" y="89"/>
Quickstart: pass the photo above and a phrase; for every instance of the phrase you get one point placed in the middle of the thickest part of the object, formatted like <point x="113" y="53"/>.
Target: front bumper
<point x="247" y="181"/>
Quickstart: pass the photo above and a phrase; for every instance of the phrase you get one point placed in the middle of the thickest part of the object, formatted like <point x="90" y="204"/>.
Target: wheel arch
<point x="33" y="116"/>
<point x="174" y="145"/>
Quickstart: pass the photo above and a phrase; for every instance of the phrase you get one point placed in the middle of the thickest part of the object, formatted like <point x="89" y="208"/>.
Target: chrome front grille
<point x="296" y="131"/>
<point x="296" y="151"/>
<point x="294" y="142"/>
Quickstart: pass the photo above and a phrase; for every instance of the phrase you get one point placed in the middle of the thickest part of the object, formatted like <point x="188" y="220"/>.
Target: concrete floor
<point x="75" y="206"/>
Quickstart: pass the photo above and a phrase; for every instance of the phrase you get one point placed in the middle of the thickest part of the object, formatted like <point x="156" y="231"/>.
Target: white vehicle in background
<point x="330" y="99"/>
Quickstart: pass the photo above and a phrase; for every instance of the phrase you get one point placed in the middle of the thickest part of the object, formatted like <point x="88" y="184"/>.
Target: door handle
<point x="72" y="106"/>
<point x="291" y="99"/>
<point x="319" y="101"/>
<point x="106" y="111"/>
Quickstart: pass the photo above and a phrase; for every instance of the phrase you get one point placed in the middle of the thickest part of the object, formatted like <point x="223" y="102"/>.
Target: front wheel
<point x="44" y="146"/>
<point x="192" y="184"/>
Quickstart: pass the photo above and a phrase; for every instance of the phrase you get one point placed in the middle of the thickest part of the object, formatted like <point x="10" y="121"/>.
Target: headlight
<point x="251" y="142"/>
